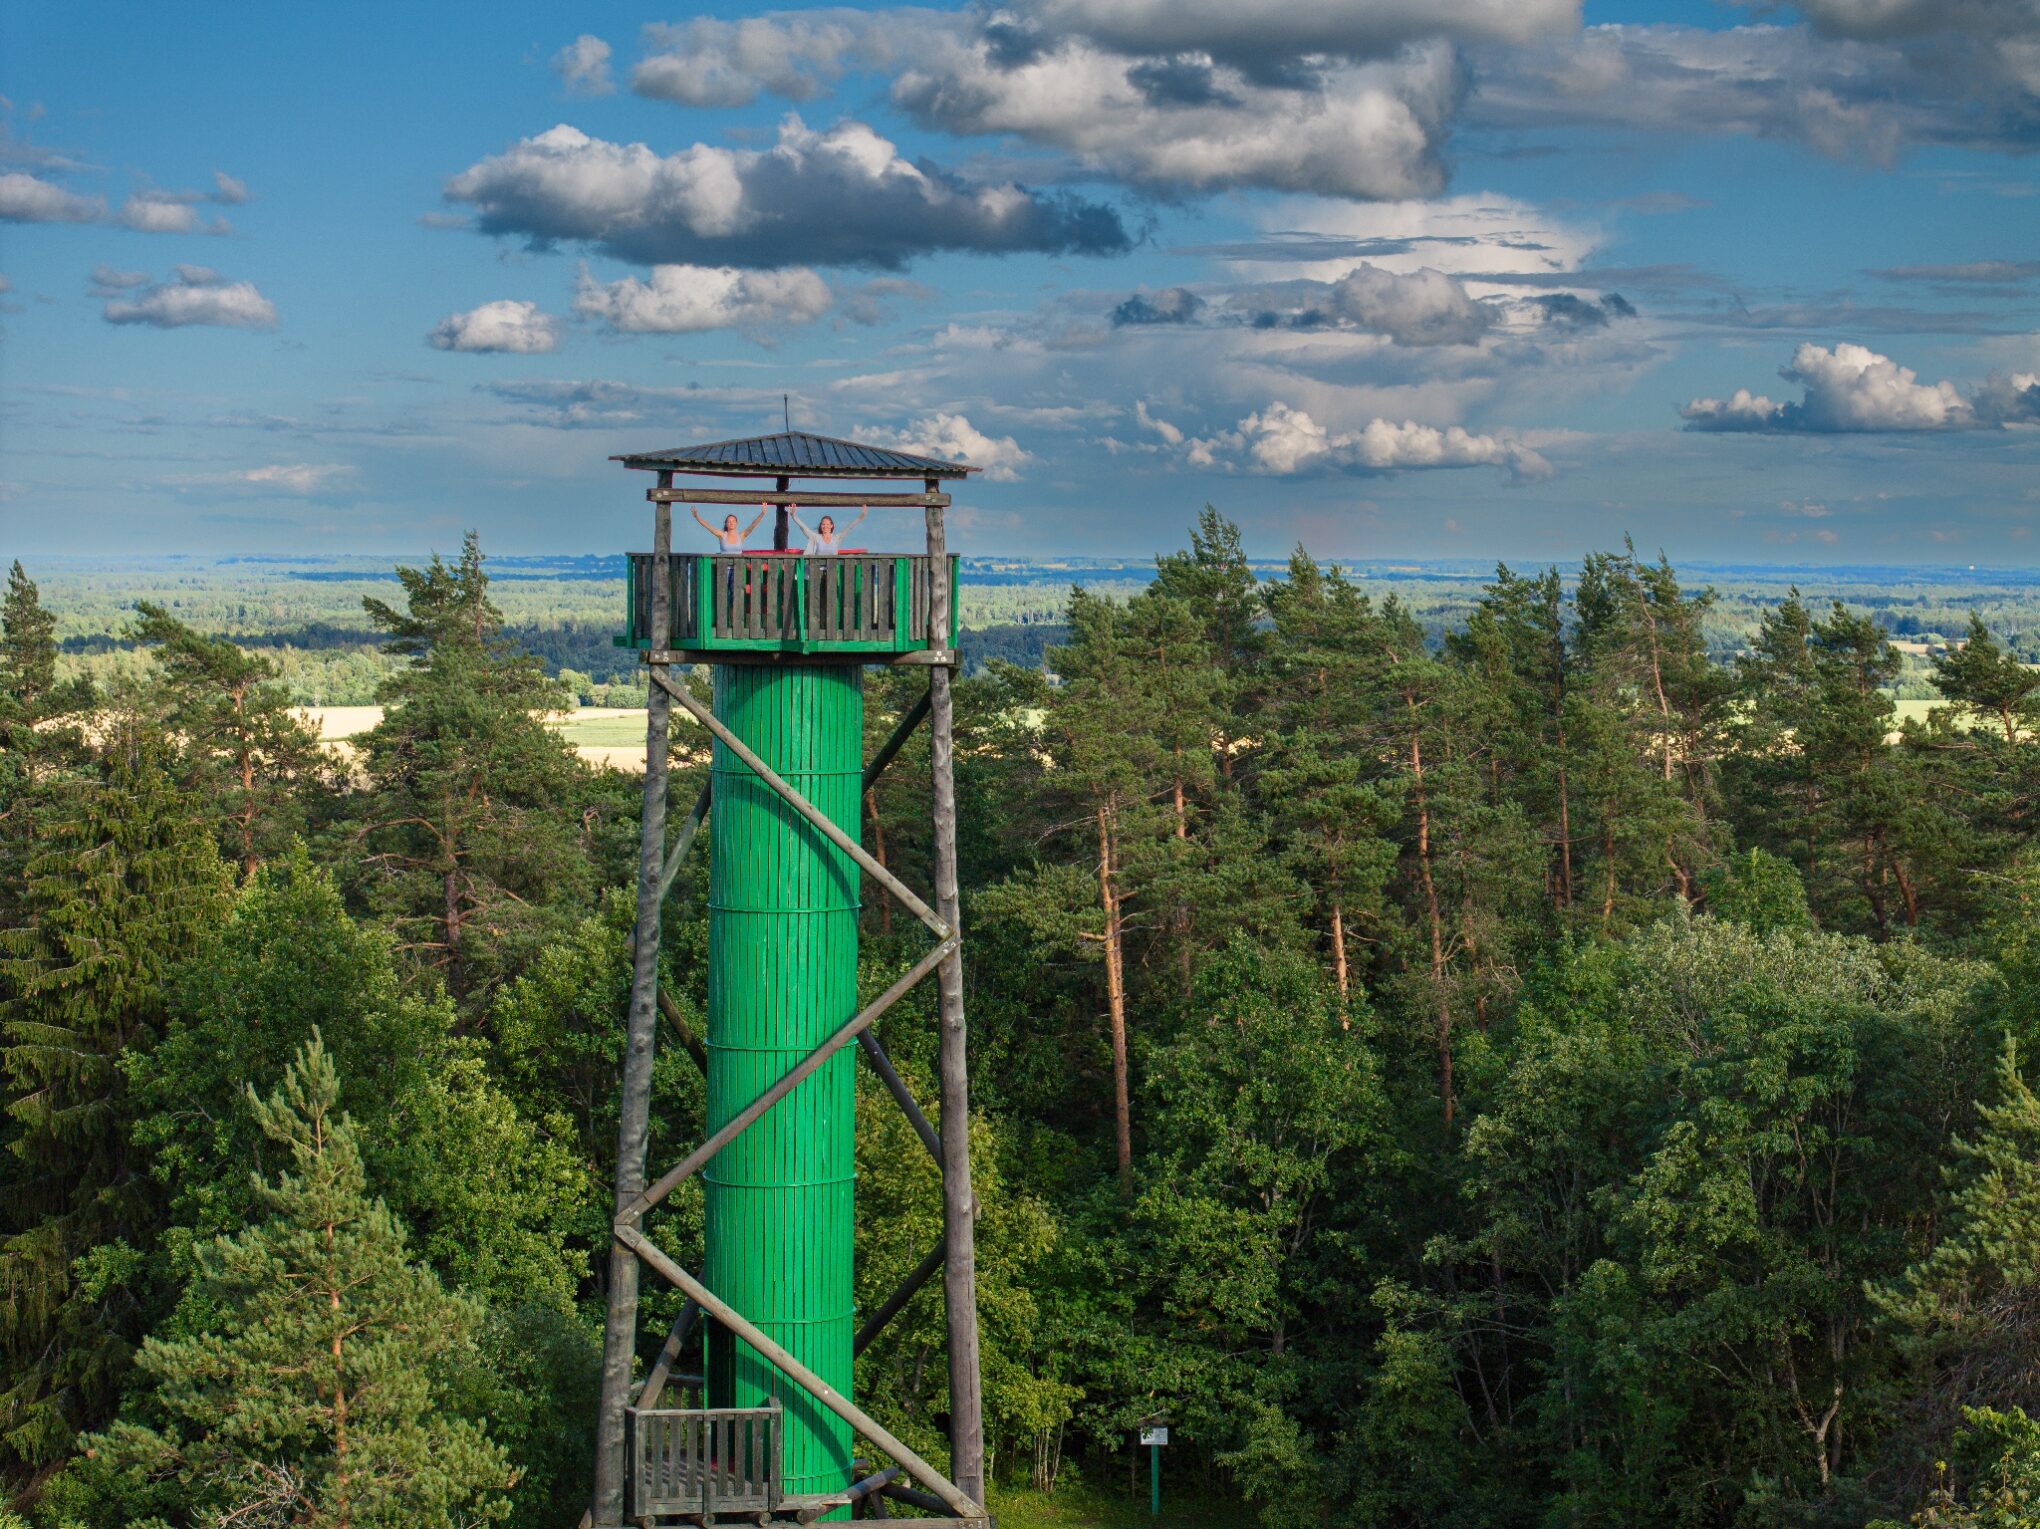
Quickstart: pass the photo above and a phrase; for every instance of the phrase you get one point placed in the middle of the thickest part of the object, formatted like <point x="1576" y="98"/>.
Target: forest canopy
<point x="1546" y="1067"/>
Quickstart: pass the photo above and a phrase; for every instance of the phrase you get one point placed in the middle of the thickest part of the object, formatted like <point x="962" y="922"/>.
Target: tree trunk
<point x="1664" y="706"/>
<point x="1115" y="994"/>
<point x="1443" y="1005"/>
<point x="1339" y="963"/>
<point x="1182" y="911"/>
<point x="1608" y="855"/>
<point x="1564" y="834"/>
<point x="340" y="1480"/>
<point x="451" y="930"/>
<point x="878" y="853"/>
<point x="247" y="812"/>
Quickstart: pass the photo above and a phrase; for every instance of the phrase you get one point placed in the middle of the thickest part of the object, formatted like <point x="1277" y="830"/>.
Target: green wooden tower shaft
<point x="782" y="975"/>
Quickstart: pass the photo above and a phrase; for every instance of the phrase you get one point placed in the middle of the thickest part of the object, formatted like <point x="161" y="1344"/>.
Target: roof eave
<point x="670" y="464"/>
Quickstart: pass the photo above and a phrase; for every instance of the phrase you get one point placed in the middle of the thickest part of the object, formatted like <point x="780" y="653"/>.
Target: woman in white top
<point x="825" y="540"/>
<point x="731" y="538"/>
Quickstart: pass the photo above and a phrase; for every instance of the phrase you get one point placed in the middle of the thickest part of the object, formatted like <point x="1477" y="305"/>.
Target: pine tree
<point x="1987" y="681"/>
<point x="124" y="884"/>
<point x="467" y="844"/>
<point x="313" y="1374"/>
<point x="1657" y="709"/>
<point x="1321" y="782"/>
<point x="1515" y="643"/>
<point x="245" y="749"/>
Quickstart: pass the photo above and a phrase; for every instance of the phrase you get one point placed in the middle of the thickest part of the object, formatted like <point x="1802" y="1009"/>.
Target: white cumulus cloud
<point x="1425" y="307"/>
<point x="1371" y="130"/>
<point x="954" y="438"/>
<point x="707" y="62"/>
<point x="1850" y="388"/>
<point x="687" y="299"/>
<point x="194" y="295"/>
<point x="167" y="212"/>
<point x="583" y="66"/>
<point x="1284" y="441"/>
<point x="842" y="197"/>
<point x="25" y="198"/>
<point x="505" y="325"/>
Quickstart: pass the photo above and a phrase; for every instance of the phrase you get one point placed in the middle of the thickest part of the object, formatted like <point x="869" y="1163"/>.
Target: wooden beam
<point x="934" y="658"/>
<point x="897" y="1301"/>
<point x="687" y="657"/>
<point x="619" y="1339"/>
<point x="702" y="1155"/>
<point x="669" y="1355"/>
<point x="818" y="499"/>
<point x="823" y="824"/>
<point x="916" y="714"/>
<point x="689" y="1041"/>
<point x="684" y="839"/>
<point x="959" y="1205"/>
<point x="902" y="1095"/>
<point x="955" y="1501"/>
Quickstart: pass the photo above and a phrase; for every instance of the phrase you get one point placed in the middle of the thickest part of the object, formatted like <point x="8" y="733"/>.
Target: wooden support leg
<point x="619" y="1339"/>
<point x="959" y="1205"/>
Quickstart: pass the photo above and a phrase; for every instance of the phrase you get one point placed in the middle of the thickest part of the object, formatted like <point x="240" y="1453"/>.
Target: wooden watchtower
<point x="788" y="636"/>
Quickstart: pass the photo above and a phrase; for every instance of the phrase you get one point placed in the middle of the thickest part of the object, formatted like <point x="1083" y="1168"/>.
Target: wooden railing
<point x="703" y="1460"/>
<point x="873" y="602"/>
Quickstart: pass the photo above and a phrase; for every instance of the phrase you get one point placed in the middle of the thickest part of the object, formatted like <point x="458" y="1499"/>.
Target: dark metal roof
<point x="795" y="454"/>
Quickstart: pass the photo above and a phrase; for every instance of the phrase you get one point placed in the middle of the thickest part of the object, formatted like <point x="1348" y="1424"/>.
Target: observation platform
<point x="864" y="606"/>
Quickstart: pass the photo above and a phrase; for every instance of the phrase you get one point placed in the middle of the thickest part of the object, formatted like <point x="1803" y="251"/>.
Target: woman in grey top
<point x="825" y="540"/>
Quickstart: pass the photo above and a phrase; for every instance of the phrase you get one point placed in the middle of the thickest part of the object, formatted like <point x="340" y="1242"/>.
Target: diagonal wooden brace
<point x="808" y="1065"/>
<point x="916" y="715"/>
<point x="952" y="1498"/>
<point x="897" y="1301"/>
<point x="683" y="840"/>
<point x="815" y="816"/>
<point x="902" y="1095"/>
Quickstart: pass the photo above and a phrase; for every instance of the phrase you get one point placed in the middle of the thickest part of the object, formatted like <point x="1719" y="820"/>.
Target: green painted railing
<point x="862" y="602"/>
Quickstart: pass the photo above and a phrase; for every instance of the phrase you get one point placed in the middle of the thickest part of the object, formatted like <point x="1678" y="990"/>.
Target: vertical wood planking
<point x="782" y="976"/>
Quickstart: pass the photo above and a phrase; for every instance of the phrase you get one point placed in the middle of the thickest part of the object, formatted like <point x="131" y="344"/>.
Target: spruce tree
<point x="245" y="750"/>
<point x="312" y="1375"/>
<point x="125" y="883"/>
<point x="41" y="736"/>
<point x="468" y="843"/>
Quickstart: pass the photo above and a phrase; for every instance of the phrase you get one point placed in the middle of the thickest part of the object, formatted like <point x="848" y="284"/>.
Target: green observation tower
<point x="768" y="1430"/>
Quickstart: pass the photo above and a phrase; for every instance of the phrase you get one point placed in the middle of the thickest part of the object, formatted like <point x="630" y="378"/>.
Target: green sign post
<point x="1154" y="1438"/>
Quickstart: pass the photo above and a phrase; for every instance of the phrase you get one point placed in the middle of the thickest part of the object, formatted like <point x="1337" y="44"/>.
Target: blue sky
<point x="1468" y="278"/>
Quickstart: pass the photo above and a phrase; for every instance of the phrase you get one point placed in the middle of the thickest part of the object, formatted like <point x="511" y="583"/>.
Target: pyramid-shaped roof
<point x="795" y="454"/>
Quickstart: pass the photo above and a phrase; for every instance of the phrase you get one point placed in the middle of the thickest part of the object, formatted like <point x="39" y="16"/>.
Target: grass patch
<point x="1085" y="1506"/>
<point x="605" y="732"/>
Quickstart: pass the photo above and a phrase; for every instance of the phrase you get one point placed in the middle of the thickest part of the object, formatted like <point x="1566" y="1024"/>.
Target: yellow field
<point x="603" y="735"/>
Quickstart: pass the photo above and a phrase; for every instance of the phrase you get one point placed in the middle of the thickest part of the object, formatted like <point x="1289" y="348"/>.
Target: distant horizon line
<point x="1456" y="566"/>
